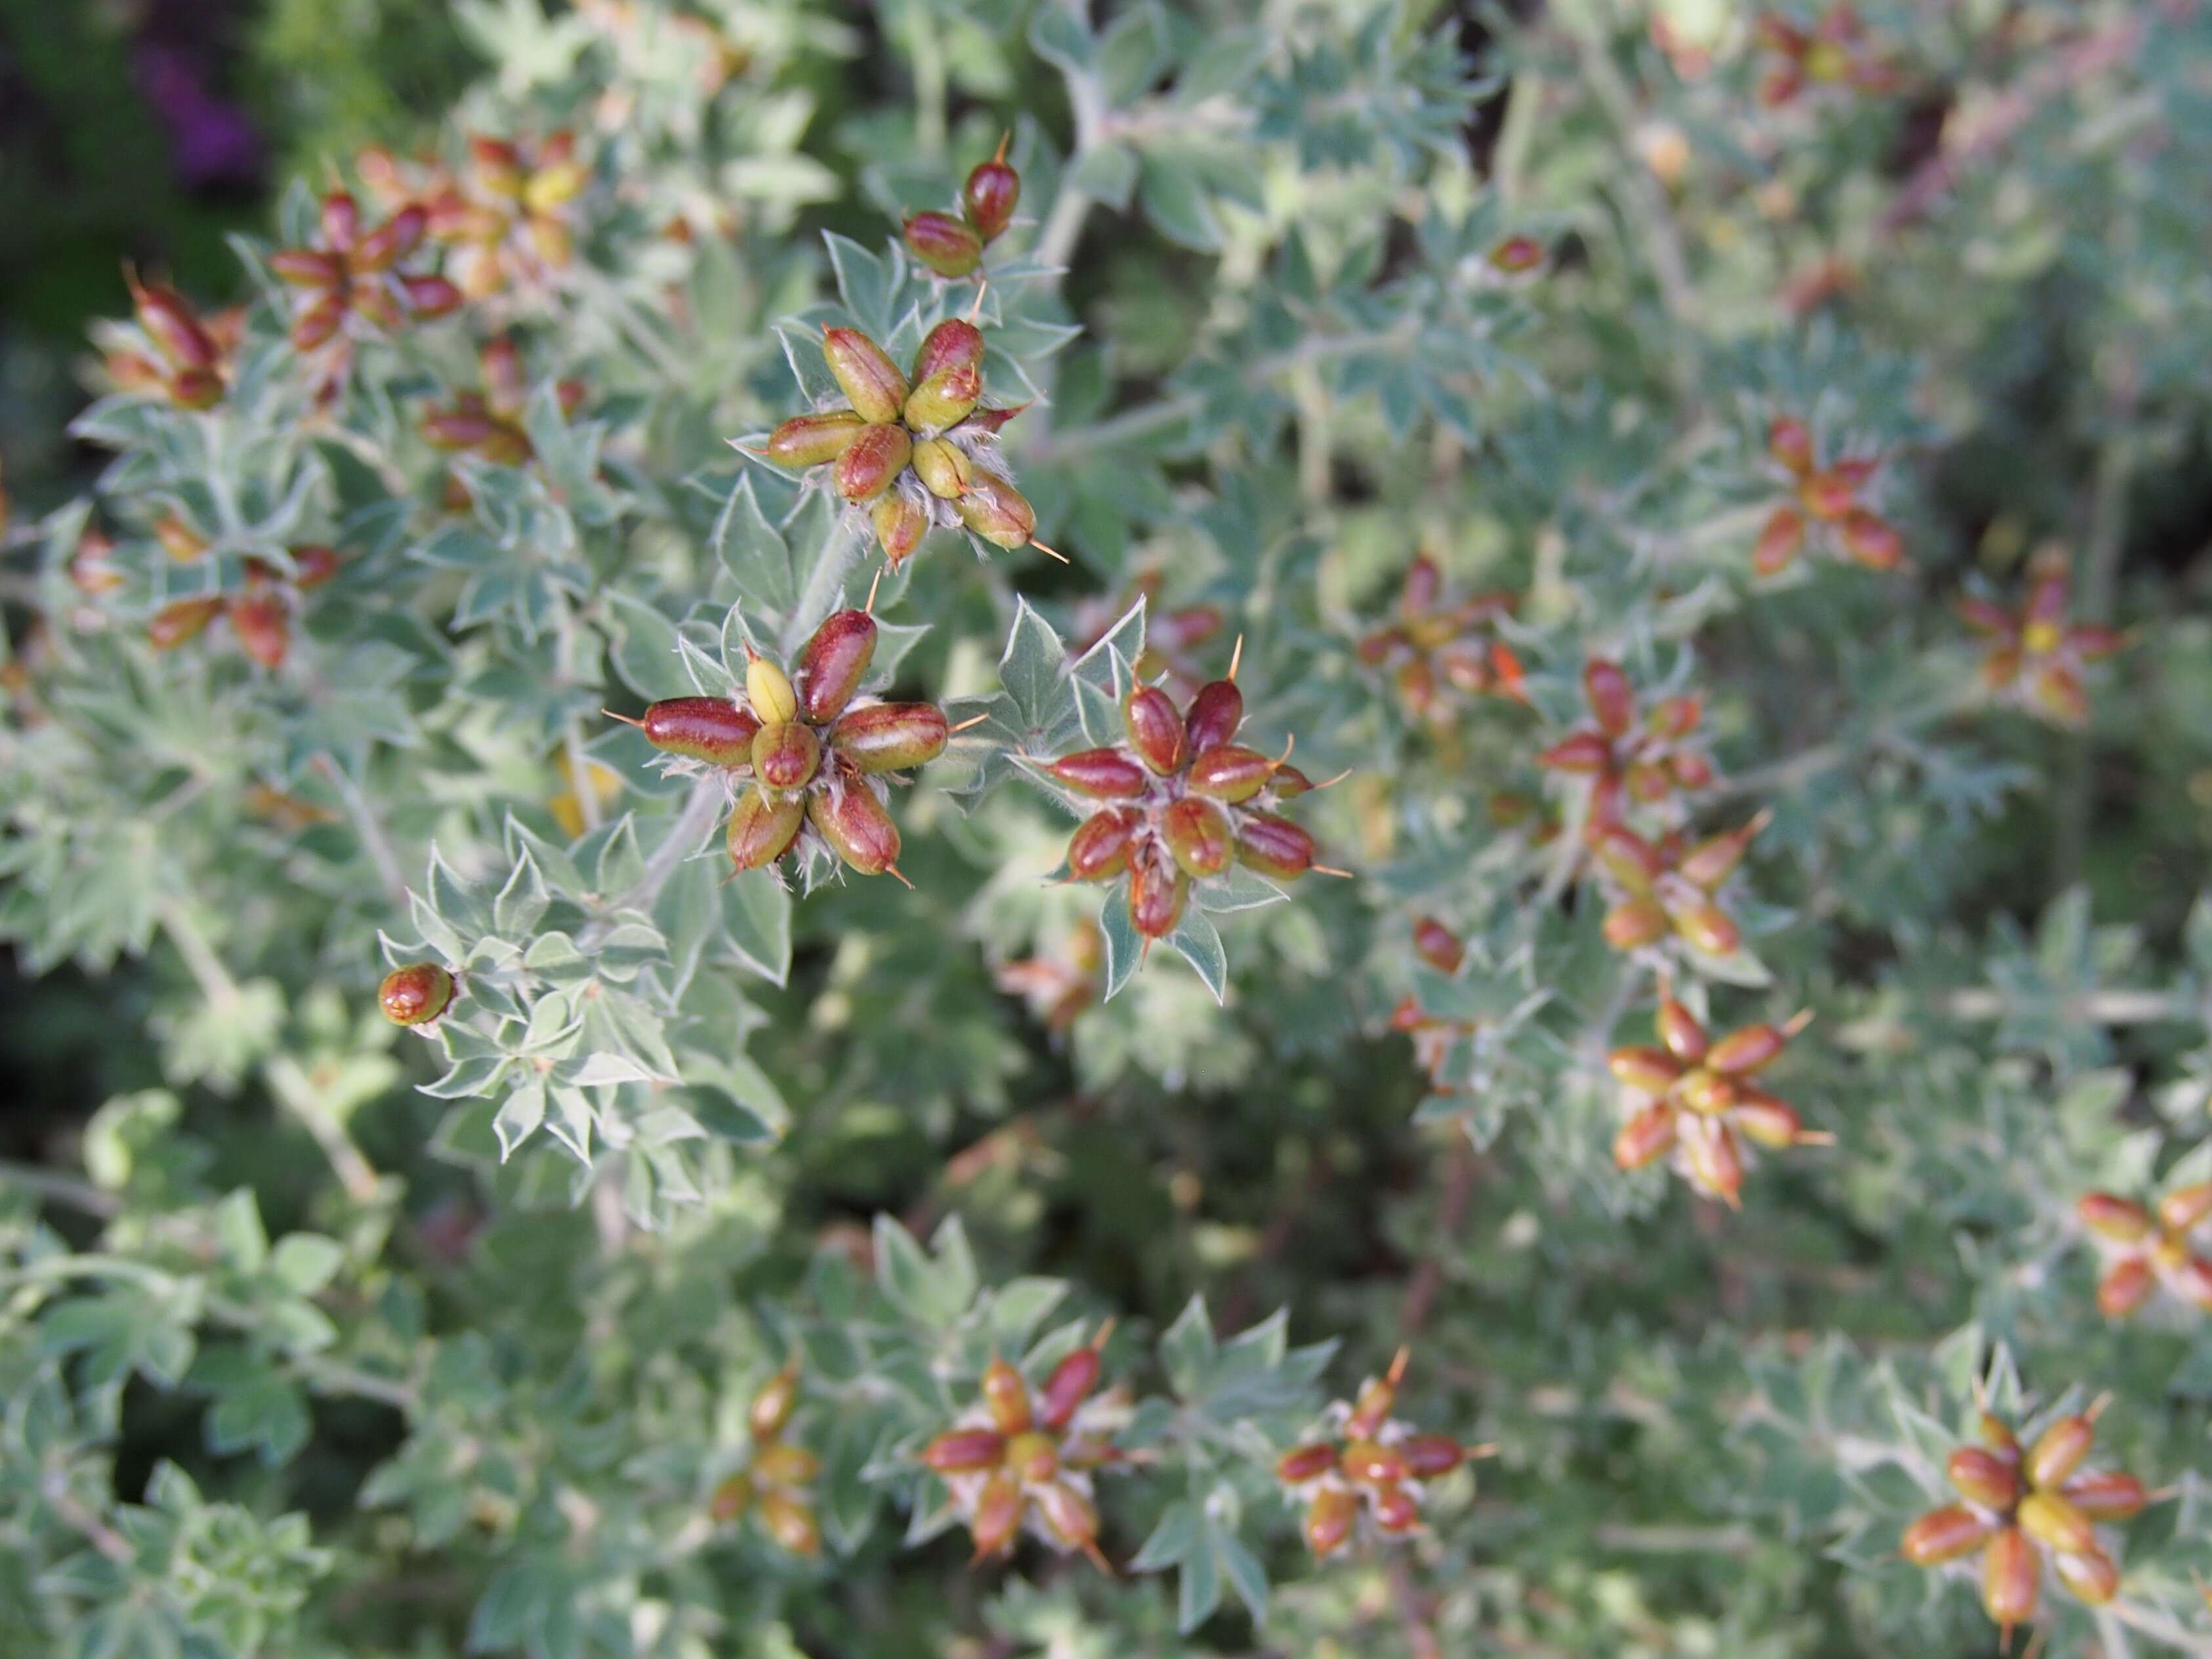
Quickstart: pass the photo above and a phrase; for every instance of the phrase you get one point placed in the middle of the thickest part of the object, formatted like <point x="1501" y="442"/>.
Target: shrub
<point x="1625" y="613"/>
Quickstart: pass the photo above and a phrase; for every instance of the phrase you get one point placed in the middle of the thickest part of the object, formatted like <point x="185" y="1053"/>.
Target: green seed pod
<point x="998" y="1516"/>
<point x="2047" y="1517"/>
<point x="872" y="463"/>
<point x="1158" y="892"/>
<point x="762" y="828"/>
<point x="945" y="399"/>
<point x="783" y="1464"/>
<point x="1629" y="859"/>
<point x="2090" y="1575"/>
<point x="1288" y="781"/>
<point x="1329" y="1518"/>
<point x="1033" y="1456"/>
<point x="944" y="467"/>
<point x="1764" y="1120"/>
<point x="1103" y="774"/>
<point x="1007" y="1395"/>
<point x="899" y="526"/>
<point x="953" y="343"/>
<point x="1274" y="846"/>
<point x="709" y="729"/>
<point x="964" y="1451"/>
<point x="415" y="995"/>
<point x="1708" y="928"/>
<point x="1983" y="1477"/>
<point x="890" y="736"/>
<point x="1372" y="1463"/>
<point x="768" y="688"/>
<point x="990" y="195"/>
<point x="832" y="664"/>
<point x="1304" y="1464"/>
<point x="1155" y="730"/>
<point x="1705" y="1091"/>
<point x="1198" y="836"/>
<point x="814" y="440"/>
<point x="1099" y="849"/>
<point x="995" y="509"/>
<point x="1645" y="1137"/>
<point x="944" y="244"/>
<point x="856" y="824"/>
<point x="1230" y="772"/>
<point x="730" y="1498"/>
<point x="1636" y="922"/>
<point x="1944" y="1534"/>
<point x="869" y="378"/>
<point x="786" y="757"/>
<point x="2059" y="1449"/>
<point x="1653" y="1071"/>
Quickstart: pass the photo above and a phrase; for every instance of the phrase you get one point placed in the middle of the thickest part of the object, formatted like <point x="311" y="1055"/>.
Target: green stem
<point x="62" y="1188"/>
<point x="2107" y="541"/>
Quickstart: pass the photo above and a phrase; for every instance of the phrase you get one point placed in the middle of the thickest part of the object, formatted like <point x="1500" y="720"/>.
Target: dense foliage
<point x="1550" y="998"/>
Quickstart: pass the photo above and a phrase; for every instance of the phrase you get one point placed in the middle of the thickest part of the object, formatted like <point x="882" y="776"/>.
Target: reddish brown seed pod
<point x="991" y="194"/>
<point x="1747" y="1051"/>
<point x="1434" y="943"/>
<point x="1579" y="752"/>
<point x="415" y="995"/>
<point x="1516" y="256"/>
<point x="965" y="1451"/>
<point x="770" y="1408"/>
<point x="391" y="241"/>
<point x="1157" y="893"/>
<point x="313" y="566"/>
<point x="264" y="627"/>
<point x="1983" y="1477"/>
<point x="1068" y="1516"/>
<point x="1765" y="1120"/>
<point x="2107" y="1497"/>
<point x="1213" y="715"/>
<point x="1712" y="861"/>
<point x="431" y="297"/>
<point x="814" y="440"/>
<point x="790" y="1523"/>
<point x="340" y="220"/>
<point x="899" y="525"/>
<point x="2089" y="1574"/>
<point x="1070" y="1384"/>
<point x="1708" y="928"/>
<point x="1705" y="1091"/>
<point x="1007" y="1395"/>
<point x="944" y="244"/>
<point x="170" y="323"/>
<point x="832" y="664"/>
<point x="869" y="380"/>
<point x="1789" y="441"/>
<point x="196" y="389"/>
<point x="1652" y="1071"/>
<point x="1779" y="539"/>
<point x="1372" y="1463"/>
<point x="1099" y="849"/>
<point x="1104" y="774"/>
<point x="185" y="620"/>
<point x="709" y="729"/>
<point x="458" y="429"/>
<point x="856" y="824"/>
<point x="998" y="1516"/>
<point x="1230" y="772"/>
<point x="1431" y="1456"/>
<point x="1944" y="1534"/>
<point x="1611" y="699"/>
<point x="1273" y="846"/>
<point x="306" y="268"/>
<point x="880" y="737"/>
<point x="1302" y="1463"/>
<point x="1378" y="1395"/>
<point x="731" y="1499"/>
<point x="1871" y="541"/>
<point x="2059" y="1451"/>
<point x="1629" y="859"/>
<point x="782" y="1463"/>
<point x="1826" y="496"/>
<point x="1680" y="1031"/>
<point x="871" y="461"/>
<point x="995" y="509"/>
<point x="1328" y="1520"/>
<point x="786" y="757"/>
<point x="1716" y="1161"/>
<point x="1396" y="1511"/>
<point x="1154" y="729"/>
<point x="953" y="343"/>
<point x="1638" y="922"/>
<point x="761" y="829"/>
<point x="1199" y="836"/>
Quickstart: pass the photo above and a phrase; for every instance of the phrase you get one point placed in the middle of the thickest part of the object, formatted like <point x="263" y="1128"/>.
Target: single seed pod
<point x="709" y="729"/>
<point x="1629" y="859"/>
<point x="1790" y="442"/>
<point x="868" y="377"/>
<point x="415" y="995"/>
<point x="1707" y="927"/>
<point x="990" y="195"/>
<point x="1647" y="781"/>
<point x="171" y="325"/>
<point x="1944" y="1534"/>
<point x="459" y="429"/>
<point x="965" y="1451"/>
<point x="1715" y="1162"/>
<point x="1302" y="1463"/>
<point x="871" y="462"/>
<point x="1069" y="1386"/>
<point x="1827" y="496"/>
<point x="1378" y="1396"/>
<point x="1996" y="1434"/>
<point x="1213" y="715"/>
<point x="2168" y="1252"/>
<point x="890" y="736"/>
<point x="1099" y="849"/>
<point x="391" y="241"/>
<point x="314" y="326"/>
<point x="304" y="268"/>
<point x="762" y="828"/>
<point x="854" y="823"/>
<point x="1158" y="892"/>
<point x="180" y="540"/>
<point x="814" y="440"/>
<point x="1872" y="541"/>
<point x="1983" y="1477"/>
<point x="782" y="1463"/>
<point x="1033" y="1456"/>
<point x="1747" y="1050"/>
<point x="185" y="620"/>
<point x="1516" y="256"/>
<point x="2059" y="1449"/>
<point x="944" y="244"/>
<point x="1372" y="1463"/>
<point x="431" y="297"/>
<point x="1680" y="1031"/>
<point x="1691" y="771"/>
<point x="730" y="1498"/>
<point x="1007" y="1395"/>
<point x="790" y="1523"/>
<point x="1198" y="836"/>
<point x="2192" y="1282"/>
<point x="944" y="467"/>
<point x="945" y="399"/>
<point x="1636" y="922"/>
<point x="1328" y="1520"/>
<point x="1652" y="1071"/>
<point x="1779" y="539"/>
<point x="313" y="566"/>
<point x="1765" y="1120"/>
<point x="2090" y="1575"/>
<point x="832" y="664"/>
<point x="1431" y="1456"/>
<point x="196" y="389"/>
<point x="2112" y="1217"/>
<point x="998" y="1516"/>
<point x="2185" y="1208"/>
<point x="1434" y="943"/>
<point x="1288" y="781"/>
<point x="1068" y="1516"/>
<point x="1230" y="772"/>
<point x="2110" y="1496"/>
<point x="1397" y="1509"/>
<point x="1273" y="846"/>
<point x="1611" y="699"/>
<point x="1105" y="774"/>
<point x="1705" y="1091"/>
<point x="1579" y="751"/>
<point x="1711" y="861"/>
<point x="771" y="1407"/>
<point x="2051" y="1518"/>
<point x="768" y="689"/>
<point x="2058" y="693"/>
<point x="995" y="509"/>
<point x="1155" y="731"/>
<point x="786" y="757"/>
<point x="899" y="525"/>
<point x="262" y="626"/>
<point x="953" y="343"/>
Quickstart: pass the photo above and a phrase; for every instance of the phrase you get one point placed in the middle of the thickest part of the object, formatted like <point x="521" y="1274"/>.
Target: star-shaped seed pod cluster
<point x="350" y="283"/>
<point x="1181" y="804"/>
<point x="1667" y="893"/>
<point x="2146" y="1251"/>
<point x="776" y="1487"/>
<point x="173" y="353"/>
<point x="1023" y="1457"/>
<point x="510" y="217"/>
<point x="1440" y="645"/>
<point x="2036" y="656"/>
<point x="1828" y="506"/>
<point x="488" y="423"/>
<point x="1366" y="1474"/>
<point x="260" y="615"/>
<point x="2013" y="1507"/>
<point x="915" y="452"/>
<point x="1692" y="1099"/>
<point x="1637" y="764"/>
<point x="806" y="759"/>
<point x="952" y="245"/>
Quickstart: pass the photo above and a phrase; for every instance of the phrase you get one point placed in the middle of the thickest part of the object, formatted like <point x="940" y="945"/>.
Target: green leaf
<point x="754" y="553"/>
<point x="1175" y="202"/>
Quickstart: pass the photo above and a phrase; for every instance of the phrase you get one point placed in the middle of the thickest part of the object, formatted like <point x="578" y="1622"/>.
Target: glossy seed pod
<point x="965" y="1451"/>
<point x="1230" y="772"/>
<point x="832" y="664"/>
<point x="1716" y="1160"/>
<point x="1154" y="729"/>
<point x="1516" y="256"/>
<point x="2059" y="1451"/>
<point x="1273" y="846"/>
<point x="945" y="245"/>
<point x="872" y="463"/>
<point x="1099" y="849"/>
<point x="1396" y="1511"/>
<point x="1747" y="1050"/>
<point x="899" y="525"/>
<point x="1302" y="1463"/>
<point x="869" y="380"/>
<point x="1765" y="1120"/>
<point x="1704" y="1091"/>
<point x="1944" y="1534"/>
<point x="1213" y="715"/>
<point x="991" y="194"/>
<point x="709" y="729"/>
<point x="1789" y="441"/>
<point x="264" y="628"/>
<point x="995" y="509"/>
<point x="1329" y="1519"/>
<point x="1007" y="1396"/>
<point x="944" y="467"/>
<point x="1871" y="541"/>
<point x="415" y="995"/>
<point x="196" y="389"/>
<point x="1707" y="928"/>
<point x="431" y="297"/>
<point x="391" y="241"/>
<point x="1638" y="922"/>
<point x="2048" y="1518"/>
<point x="786" y="757"/>
<point x="2110" y="1496"/>
<point x="1646" y="1137"/>
<point x="945" y="399"/>
<point x="169" y="322"/>
<point x="1611" y="698"/>
<point x="1649" y="1070"/>
<point x="998" y="1518"/>
<point x="313" y="327"/>
<point x="306" y="268"/>
<point x="2010" y="1571"/>
<point x="814" y="440"/>
<point x="1068" y="1386"/>
<point x="1033" y="1456"/>
<point x="790" y="1523"/>
<point x="762" y="828"/>
<point x="2090" y="1575"/>
<point x="1433" y="943"/>
<point x="731" y="1499"/>
<point x="1068" y="1516"/>
<point x="1371" y="1463"/>
<point x="1779" y="539"/>
<point x="1104" y="774"/>
<point x="1983" y="1477"/>
<point x="782" y="1463"/>
<point x="1626" y="857"/>
<point x="770" y="1408"/>
<point x="1157" y="893"/>
<point x="768" y="689"/>
<point x="1681" y="1032"/>
<point x="1431" y="1456"/>
<point x="856" y="825"/>
<point x="184" y="621"/>
<point x="890" y="736"/>
<point x="1199" y="836"/>
<point x="953" y="343"/>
